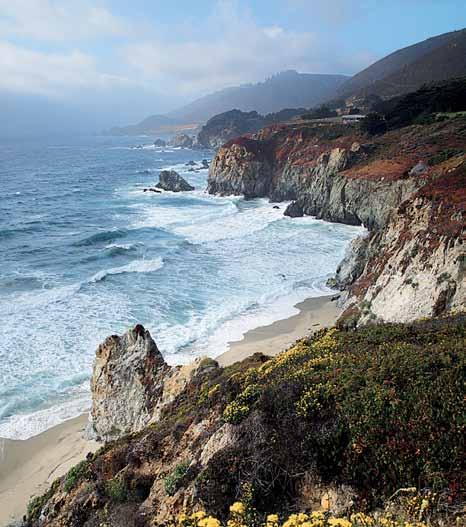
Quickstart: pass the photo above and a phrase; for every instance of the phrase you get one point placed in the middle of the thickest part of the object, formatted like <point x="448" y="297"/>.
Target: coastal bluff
<point x="286" y="430"/>
<point x="407" y="187"/>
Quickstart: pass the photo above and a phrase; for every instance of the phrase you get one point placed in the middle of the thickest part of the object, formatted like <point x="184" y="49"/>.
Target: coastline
<point x="28" y="467"/>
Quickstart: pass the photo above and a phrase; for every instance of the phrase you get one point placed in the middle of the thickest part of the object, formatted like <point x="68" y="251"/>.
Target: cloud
<point x="58" y="20"/>
<point x="50" y="74"/>
<point x="237" y="50"/>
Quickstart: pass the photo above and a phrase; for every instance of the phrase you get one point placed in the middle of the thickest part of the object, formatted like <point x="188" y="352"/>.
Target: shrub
<point x="235" y="412"/>
<point x="442" y="156"/>
<point x="76" y="474"/>
<point x="174" y="480"/>
<point x="377" y="408"/>
<point x="116" y="490"/>
<point x="373" y="124"/>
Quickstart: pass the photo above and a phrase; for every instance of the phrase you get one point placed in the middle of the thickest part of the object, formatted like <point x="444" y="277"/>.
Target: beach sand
<point x="314" y="314"/>
<point x="28" y="467"/>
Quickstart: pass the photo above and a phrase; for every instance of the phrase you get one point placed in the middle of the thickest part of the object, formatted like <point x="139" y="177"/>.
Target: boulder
<point x="205" y="163"/>
<point x="294" y="210"/>
<point x="418" y="169"/>
<point x="160" y="143"/>
<point x="171" y="180"/>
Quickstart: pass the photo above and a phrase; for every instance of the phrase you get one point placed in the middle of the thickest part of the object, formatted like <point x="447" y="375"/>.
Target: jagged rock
<point x="205" y="163"/>
<point x="131" y="384"/>
<point x="127" y="383"/>
<point x="160" y="143"/>
<point x="353" y="263"/>
<point x="171" y="180"/>
<point x="191" y="163"/>
<point x="181" y="141"/>
<point x="294" y="210"/>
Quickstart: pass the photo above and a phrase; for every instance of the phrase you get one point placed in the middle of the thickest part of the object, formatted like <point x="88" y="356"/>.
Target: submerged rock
<point x="171" y="180"/>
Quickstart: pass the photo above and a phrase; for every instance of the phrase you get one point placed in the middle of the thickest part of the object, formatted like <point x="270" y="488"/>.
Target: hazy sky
<point x="114" y="61"/>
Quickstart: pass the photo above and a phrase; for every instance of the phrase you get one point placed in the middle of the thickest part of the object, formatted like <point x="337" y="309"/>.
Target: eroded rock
<point x="127" y="383"/>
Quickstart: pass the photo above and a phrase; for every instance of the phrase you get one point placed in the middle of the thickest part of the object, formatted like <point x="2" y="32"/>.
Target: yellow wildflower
<point x="339" y="522"/>
<point x="272" y="518"/>
<point x="210" y="521"/>
<point x="237" y="508"/>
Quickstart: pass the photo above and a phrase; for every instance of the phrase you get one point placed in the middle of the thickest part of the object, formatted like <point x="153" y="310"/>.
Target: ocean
<point x="85" y="253"/>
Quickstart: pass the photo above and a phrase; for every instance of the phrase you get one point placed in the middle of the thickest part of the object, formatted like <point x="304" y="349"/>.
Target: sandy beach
<point x="314" y="314"/>
<point x="28" y="467"/>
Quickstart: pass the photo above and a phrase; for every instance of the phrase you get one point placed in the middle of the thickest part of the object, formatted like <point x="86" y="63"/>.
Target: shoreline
<point x="29" y="466"/>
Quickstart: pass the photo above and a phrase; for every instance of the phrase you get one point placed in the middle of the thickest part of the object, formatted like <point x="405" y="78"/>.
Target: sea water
<point x="85" y="253"/>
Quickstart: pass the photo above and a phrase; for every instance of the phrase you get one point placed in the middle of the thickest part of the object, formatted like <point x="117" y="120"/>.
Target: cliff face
<point x="415" y="266"/>
<point x="335" y="174"/>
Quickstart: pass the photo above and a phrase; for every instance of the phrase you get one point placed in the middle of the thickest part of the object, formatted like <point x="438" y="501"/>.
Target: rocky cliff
<point x="338" y="174"/>
<point x="337" y="422"/>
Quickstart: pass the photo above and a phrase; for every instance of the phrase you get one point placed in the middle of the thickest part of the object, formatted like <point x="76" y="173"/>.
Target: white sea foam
<point x="24" y="426"/>
<point x="136" y="266"/>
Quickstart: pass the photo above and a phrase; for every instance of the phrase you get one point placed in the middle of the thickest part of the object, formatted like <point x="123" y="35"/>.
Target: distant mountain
<point x="155" y="124"/>
<point x="435" y="59"/>
<point x="288" y="89"/>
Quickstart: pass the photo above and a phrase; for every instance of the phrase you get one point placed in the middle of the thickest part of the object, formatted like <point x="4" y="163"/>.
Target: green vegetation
<point x="373" y="124"/>
<point x="76" y="474"/>
<point x="442" y="156"/>
<point x="174" y="480"/>
<point x="378" y="408"/>
<point x="116" y="490"/>
<point x="421" y="106"/>
<point x="322" y="112"/>
<point x="36" y="503"/>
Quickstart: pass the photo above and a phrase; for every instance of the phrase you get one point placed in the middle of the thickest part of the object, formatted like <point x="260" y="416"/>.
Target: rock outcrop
<point x="171" y="180"/>
<point x="131" y="384"/>
<point x="127" y="383"/>
<point x="229" y="125"/>
<point x="334" y="174"/>
<point x="414" y="267"/>
<point x="181" y="141"/>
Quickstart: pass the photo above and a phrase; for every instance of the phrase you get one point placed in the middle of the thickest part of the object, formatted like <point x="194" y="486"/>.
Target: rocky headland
<point x="407" y="187"/>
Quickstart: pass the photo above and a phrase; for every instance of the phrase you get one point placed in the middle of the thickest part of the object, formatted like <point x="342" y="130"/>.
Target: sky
<point x="96" y="63"/>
